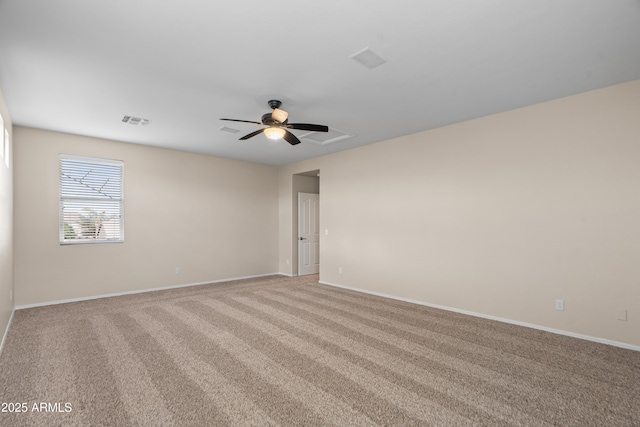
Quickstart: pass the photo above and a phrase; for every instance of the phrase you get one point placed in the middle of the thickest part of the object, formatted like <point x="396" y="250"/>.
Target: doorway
<point x="308" y="234"/>
<point x="306" y="255"/>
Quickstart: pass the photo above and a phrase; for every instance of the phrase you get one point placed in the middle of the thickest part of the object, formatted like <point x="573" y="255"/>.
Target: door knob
<point x="303" y="238"/>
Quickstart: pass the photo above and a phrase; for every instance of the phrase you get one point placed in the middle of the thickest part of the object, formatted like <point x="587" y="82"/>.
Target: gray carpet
<point x="289" y="351"/>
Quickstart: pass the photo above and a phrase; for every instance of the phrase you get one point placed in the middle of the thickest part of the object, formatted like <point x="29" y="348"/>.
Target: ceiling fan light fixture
<point x="274" y="132"/>
<point x="277" y="124"/>
<point x="279" y="115"/>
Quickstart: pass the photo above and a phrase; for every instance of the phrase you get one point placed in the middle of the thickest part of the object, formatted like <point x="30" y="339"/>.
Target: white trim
<point x="499" y="319"/>
<point x="287" y="274"/>
<point x="102" y="161"/>
<point x="118" y="294"/>
<point x="6" y="331"/>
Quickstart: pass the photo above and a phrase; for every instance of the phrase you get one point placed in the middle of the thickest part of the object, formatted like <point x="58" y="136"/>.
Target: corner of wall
<point x="7" y="294"/>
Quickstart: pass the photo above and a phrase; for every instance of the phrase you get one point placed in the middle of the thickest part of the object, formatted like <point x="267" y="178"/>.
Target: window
<point x="7" y="143"/>
<point x="2" y="137"/>
<point x="91" y="200"/>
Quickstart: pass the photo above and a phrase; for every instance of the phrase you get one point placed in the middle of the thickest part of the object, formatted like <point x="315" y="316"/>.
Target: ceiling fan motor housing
<point x="274" y="103"/>
<point x="269" y="121"/>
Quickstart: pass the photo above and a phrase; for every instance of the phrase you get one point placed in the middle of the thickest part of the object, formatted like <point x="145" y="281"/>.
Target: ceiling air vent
<point x="325" y="138"/>
<point x="368" y="58"/>
<point x="228" y="129"/>
<point x="136" y="121"/>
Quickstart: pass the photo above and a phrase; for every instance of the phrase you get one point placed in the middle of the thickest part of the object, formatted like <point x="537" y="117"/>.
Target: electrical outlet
<point x="326" y="231"/>
<point x="560" y="305"/>
<point x="177" y="270"/>
<point x="287" y="262"/>
<point x="340" y="270"/>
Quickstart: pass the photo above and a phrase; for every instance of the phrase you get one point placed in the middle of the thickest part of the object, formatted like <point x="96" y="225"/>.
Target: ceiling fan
<point x="278" y="123"/>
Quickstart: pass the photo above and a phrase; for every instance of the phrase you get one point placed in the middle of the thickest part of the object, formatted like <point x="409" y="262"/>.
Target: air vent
<point x="325" y="138"/>
<point x="228" y="129"/>
<point x="368" y="58"/>
<point x="136" y="121"/>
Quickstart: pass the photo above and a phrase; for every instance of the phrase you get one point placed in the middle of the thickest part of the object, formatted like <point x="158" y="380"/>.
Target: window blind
<point x="91" y="200"/>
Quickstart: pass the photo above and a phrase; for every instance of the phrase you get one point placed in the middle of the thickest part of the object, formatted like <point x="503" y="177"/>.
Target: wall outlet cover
<point x="621" y="314"/>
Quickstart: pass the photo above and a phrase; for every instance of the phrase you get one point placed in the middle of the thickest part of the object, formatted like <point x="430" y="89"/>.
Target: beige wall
<point x="213" y="218"/>
<point x="6" y="226"/>
<point x="499" y="216"/>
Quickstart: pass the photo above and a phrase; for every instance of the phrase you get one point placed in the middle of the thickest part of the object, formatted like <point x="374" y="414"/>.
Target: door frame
<point x="301" y="182"/>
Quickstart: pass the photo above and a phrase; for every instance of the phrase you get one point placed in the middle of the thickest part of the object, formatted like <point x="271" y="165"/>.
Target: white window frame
<point x="2" y="138"/>
<point x="92" y="196"/>
<point x="7" y="146"/>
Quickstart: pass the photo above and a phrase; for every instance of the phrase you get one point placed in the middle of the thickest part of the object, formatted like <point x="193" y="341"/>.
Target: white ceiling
<point x="78" y="66"/>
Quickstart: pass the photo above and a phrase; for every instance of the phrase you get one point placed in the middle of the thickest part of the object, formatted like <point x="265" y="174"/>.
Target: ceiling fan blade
<point x="307" y="126"/>
<point x="243" y="121"/>
<point x="252" y="134"/>
<point x="290" y="138"/>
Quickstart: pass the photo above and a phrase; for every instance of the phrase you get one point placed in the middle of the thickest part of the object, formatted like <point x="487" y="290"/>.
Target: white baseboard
<point x="117" y="294"/>
<point x="287" y="274"/>
<point x="499" y="319"/>
<point x="6" y="331"/>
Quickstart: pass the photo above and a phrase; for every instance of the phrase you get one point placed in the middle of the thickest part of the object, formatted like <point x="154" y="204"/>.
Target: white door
<point x="308" y="233"/>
